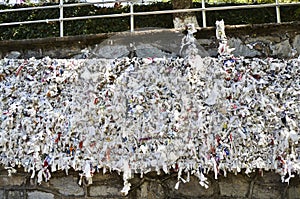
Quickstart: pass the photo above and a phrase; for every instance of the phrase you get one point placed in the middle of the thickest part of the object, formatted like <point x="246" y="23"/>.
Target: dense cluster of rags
<point x="189" y="115"/>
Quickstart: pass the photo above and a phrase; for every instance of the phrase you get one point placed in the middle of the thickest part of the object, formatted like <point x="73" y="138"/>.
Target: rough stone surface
<point x="107" y="178"/>
<point x="262" y="40"/>
<point x="15" y="194"/>
<point x="110" y="51"/>
<point x="193" y="189"/>
<point x="67" y="186"/>
<point x="234" y="186"/>
<point x="104" y="191"/>
<point x="267" y="40"/>
<point x="151" y="190"/>
<point x="33" y="53"/>
<point x="154" y="44"/>
<point x="242" y="49"/>
<point x="152" y="186"/>
<point x="39" y="195"/>
<point x="296" y="43"/>
<point x="281" y="49"/>
<point x="293" y="192"/>
<point x="17" y="180"/>
<point x="269" y="185"/>
<point x="2" y="196"/>
<point x="265" y="191"/>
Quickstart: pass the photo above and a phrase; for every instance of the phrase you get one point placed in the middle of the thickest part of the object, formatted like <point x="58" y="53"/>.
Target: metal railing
<point x="132" y="14"/>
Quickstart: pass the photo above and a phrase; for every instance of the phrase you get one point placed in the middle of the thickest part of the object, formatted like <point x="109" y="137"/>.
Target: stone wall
<point x="264" y="40"/>
<point x="260" y="40"/>
<point x="257" y="185"/>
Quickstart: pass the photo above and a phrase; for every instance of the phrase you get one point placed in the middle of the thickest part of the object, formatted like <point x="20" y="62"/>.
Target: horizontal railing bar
<point x="193" y="9"/>
<point x="97" y="16"/>
<point x="136" y="13"/>
<point x="93" y="3"/>
<point x="208" y="9"/>
<point x="29" y="22"/>
<point x="241" y="7"/>
<point x="169" y="11"/>
<point x="57" y="6"/>
<point x="29" y="8"/>
<point x="157" y="12"/>
<point x="197" y="9"/>
<point x="288" y="4"/>
<point x="246" y="6"/>
<point x="66" y="19"/>
<point x="187" y="10"/>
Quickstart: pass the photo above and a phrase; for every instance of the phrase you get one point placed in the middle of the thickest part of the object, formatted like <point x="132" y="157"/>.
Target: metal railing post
<point x="131" y="18"/>
<point x="203" y="14"/>
<point x="61" y="17"/>
<point x="278" y="12"/>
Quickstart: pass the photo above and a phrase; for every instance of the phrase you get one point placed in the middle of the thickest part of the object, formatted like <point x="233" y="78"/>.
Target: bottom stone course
<point x="15" y="194"/>
<point x="236" y="186"/>
<point x="241" y="186"/>
<point x="2" y="194"/>
<point x="67" y="186"/>
<point x="39" y="195"/>
<point x="104" y="191"/>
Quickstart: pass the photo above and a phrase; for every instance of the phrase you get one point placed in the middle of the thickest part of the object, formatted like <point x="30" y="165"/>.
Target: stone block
<point x="151" y="190"/>
<point x="241" y="49"/>
<point x="67" y="186"/>
<point x="109" y="51"/>
<point x="236" y="186"/>
<point x="270" y="178"/>
<point x="104" y="191"/>
<point x="296" y="43"/>
<point x="293" y="192"/>
<point x="15" y="195"/>
<point x="2" y="194"/>
<point x="268" y="186"/>
<point x="39" y="195"/>
<point x="15" y="180"/>
<point x="282" y="49"/>
<point x="34" y="53"/>
<point x="190" y="189"/>
<point x="266" y="191"/>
